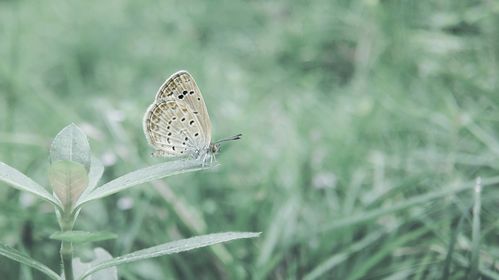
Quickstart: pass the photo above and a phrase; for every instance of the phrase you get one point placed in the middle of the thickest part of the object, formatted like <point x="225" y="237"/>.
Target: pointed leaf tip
<point x="71" y="144"/>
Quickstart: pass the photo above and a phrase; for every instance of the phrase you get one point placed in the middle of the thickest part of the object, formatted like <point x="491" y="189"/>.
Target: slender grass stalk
<point x="475" y="235"/>
<point x="451" y="248"/>
<point x="340" y="257"/>
<point x="12" y="85"/>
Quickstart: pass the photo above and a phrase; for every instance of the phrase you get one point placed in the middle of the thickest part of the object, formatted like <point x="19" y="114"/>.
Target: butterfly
<point x="177" y="123"/>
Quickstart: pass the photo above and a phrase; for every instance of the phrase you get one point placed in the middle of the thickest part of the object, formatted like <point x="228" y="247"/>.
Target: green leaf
<point x="172" y="248"/>
<point x="82" y="236"/>
<point x="68" y="179"/>
<point x="101" y="255"/>
<point x="20" y="257"/>
<point x="94" y="175"/>
<point x="71" y="144"/>
<point x="22" y="182"/>
<point x="143" y="175"/>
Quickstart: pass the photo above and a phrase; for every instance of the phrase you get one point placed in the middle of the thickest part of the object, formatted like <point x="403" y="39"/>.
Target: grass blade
<point x="363" y="217"/>
<point x="362" y="271"/>
<point x="15" y="255"/>
<point x="451" y="248"/>
<point x="340" y="257"/>
<point x="475" y="238"/>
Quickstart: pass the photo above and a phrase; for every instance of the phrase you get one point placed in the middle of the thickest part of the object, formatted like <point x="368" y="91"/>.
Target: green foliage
<point x="79" y="236"/>
<point x="365" y="124"/>
<point x="143" y="175"/>
<point x="170" y="248"/>
<point x="68" y="180"/>
<point x="69" y="153"/>
<point x="71" y="145"/>
<point x="14" y="254"/>
<point x="16" y="179"/>
<point x="100" y="256"/>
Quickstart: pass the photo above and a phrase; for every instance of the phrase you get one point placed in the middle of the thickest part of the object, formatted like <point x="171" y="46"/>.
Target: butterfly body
<point x="177" y="124"/>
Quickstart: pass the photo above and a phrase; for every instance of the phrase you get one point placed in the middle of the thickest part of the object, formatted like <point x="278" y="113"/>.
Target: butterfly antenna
<point x="235" y="137"/>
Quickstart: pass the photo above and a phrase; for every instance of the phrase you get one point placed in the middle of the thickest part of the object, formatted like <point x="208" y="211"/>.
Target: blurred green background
<point x="365" y="124"/>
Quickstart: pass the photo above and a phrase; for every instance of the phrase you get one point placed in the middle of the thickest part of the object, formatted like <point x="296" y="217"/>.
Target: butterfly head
<point x="214" y="148"/>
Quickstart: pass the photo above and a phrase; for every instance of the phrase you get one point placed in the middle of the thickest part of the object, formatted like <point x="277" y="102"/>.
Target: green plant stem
<point x="67" y="259"/>
<point x="67" y="250"/>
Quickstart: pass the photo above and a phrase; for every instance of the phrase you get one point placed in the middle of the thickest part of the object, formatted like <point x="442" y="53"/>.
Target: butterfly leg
<point x="204" y="159"/>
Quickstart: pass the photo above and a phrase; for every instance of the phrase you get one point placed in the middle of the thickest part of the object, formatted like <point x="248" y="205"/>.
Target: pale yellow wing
<point x="173" y="129"/>
<point x="181" y="88"/>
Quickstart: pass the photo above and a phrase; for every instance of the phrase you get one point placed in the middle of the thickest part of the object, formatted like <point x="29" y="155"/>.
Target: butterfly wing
<point x="182" y="88"/>
<point x="174" y="130"/>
